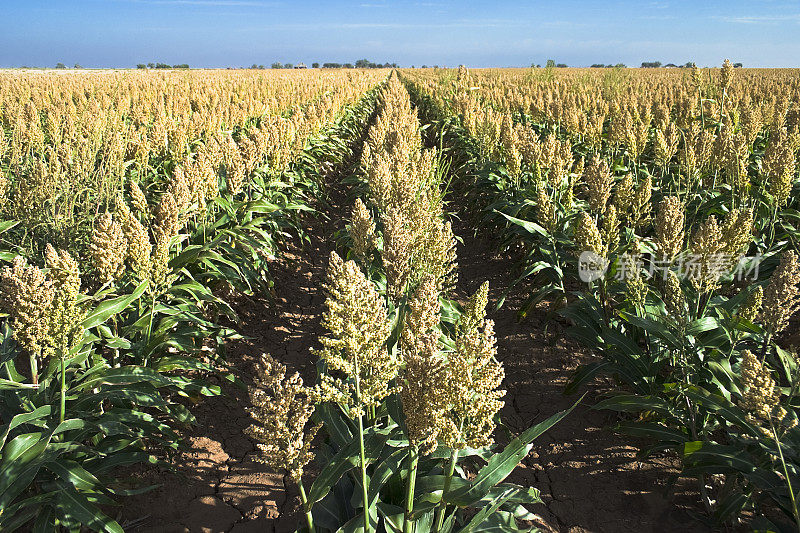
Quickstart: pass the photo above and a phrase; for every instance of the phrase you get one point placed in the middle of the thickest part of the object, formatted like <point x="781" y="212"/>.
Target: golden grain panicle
<point x="355" y="316"/>
<point x="282" y="407"/>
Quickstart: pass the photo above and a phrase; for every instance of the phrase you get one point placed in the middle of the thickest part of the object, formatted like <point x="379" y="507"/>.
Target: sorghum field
<point x="403" y="301"/>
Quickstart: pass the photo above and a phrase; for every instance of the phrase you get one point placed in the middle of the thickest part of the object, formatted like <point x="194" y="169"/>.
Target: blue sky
<point x="209" y="33"/>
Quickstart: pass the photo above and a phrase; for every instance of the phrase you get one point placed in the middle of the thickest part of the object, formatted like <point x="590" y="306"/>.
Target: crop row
<point x="147" y="197"/>
<point x="407" y="394"/>
<point x="657" y="214"/>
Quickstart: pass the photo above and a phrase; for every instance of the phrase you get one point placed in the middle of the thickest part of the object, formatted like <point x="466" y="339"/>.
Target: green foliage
<point x="679" y="372"/>
<point x="144" y="351"/>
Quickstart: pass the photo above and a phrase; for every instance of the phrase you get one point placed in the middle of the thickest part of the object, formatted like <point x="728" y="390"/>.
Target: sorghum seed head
<point x="107" y="248"/>
<point x="26" y="294"/>
<point x="751" y="307"/>
<point x="362" y="230"/>
<point x="782" y="295"/>
<point x="282" y="408"/>
<point x="355" y="316"/>
<point x="669" y="227"/>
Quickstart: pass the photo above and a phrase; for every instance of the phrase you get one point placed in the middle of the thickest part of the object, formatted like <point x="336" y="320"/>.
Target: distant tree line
<point x="551" y="63"/>
<point x="688" y="64"/>
<point x="142" y="66"/>
<point x="361" y="63"/>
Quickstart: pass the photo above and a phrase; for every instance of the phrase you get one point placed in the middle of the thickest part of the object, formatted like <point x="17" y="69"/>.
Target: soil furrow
<point x="590" y="478"/>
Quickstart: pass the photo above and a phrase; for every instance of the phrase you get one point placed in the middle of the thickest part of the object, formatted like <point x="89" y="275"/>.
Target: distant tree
<point x="561" y="65"/>
<point x="314" y="65"/>
<point x="688" y="64"/>
<point x="60" y="65"/>
<point x="620" y="65"/>
<point x="141" y="66"/>
<point x="261" y="67"/>
<point x="151" y="65"/>
<point x="77" y="65"/>
<point x="651" y="64"/>
<point x="277" y="65"/>
<point x="181" y="66"/>
<point x="364" y="63"/>
<point x="673" y="65"/>
<point x="253" y="66"/>
<point x="347" y="65"/>
<point x="737" y="65"/>
<point x="598" y="65"/>
<point x="288" y="65"/>
<point x="162" y="66"/>
<point x="551" y="63"/>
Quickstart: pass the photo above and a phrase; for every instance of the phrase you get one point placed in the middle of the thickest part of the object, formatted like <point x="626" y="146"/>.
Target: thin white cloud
<point x="210" y="3"/>
<point x="567" y="24"/>
<point x="773" y="19"/>
<point x="466" y="23"/>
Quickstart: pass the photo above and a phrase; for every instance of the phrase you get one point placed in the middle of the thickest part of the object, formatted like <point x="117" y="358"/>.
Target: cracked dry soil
<point x="589" y="477"/>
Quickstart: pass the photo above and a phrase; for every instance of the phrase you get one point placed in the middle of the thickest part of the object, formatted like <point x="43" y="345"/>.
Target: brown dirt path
<point x="590" y="478"/>
<point x="218" y="486"/>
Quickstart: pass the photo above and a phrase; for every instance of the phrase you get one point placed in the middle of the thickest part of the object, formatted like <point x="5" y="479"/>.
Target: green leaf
<point x="499" y="522"/>
<point x="336" y="424"/>
<point x="356" y="524"/>
<point x="393" y="517"/>
<point x="6" y="225"/>
<point x="488" y="510"/>
<point x="650" y="430"/>
<point x="531" y="227"/>
<point x="346" y="459"/>
<point x="109" y="308"/>
<point x="388" y="467"/>
<point x="730" y="507"/>
<point x="122" y="375"/>
<point x="38" y="414"/>
<point x="45" y="521"/>
<point x="73" y="473"/>
<point x="586" y="373"/>
<point x="17" y="447"/>
<point x="654" y="328"/>
<point x="75" y="505"/>
<point x="701" y="325"/>
<point x="631" y="403"/>
<point x="501" y="465"/>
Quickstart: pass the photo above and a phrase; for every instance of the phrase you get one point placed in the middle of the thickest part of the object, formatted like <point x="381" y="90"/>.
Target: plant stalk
<point x="362" y="455"/>
<point x="442" y="509"/>
<point x="34" y="369"/>
<point x="413" y="461"/>
<point x="63" y="390"/>
<point x="150" y="326"/>
<point x="786" y="473"/>
<point x="306" y="507"/>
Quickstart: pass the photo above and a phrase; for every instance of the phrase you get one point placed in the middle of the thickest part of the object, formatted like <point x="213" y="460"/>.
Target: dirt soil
<point x="590" y="478"/>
